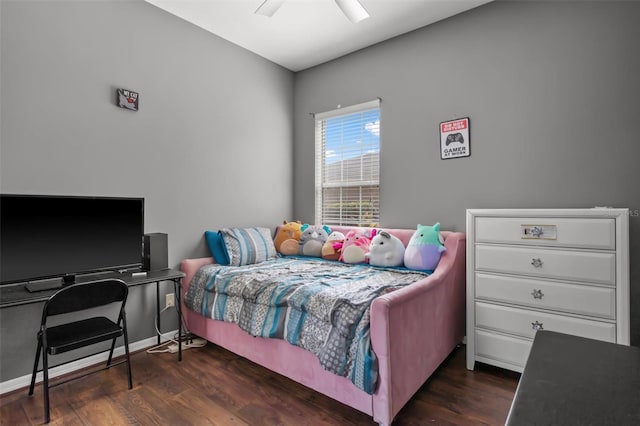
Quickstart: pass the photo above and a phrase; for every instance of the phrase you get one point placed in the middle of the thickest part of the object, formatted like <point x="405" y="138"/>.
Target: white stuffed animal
<point x="386" y="250"/>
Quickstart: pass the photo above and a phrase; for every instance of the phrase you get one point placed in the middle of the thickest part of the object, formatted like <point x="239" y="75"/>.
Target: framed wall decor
<point x="454" y="139"/>
<point x="128" y="99"/>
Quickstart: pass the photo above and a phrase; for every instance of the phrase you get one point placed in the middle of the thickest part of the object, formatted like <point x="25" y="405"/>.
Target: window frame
<point x="320" y="164"/>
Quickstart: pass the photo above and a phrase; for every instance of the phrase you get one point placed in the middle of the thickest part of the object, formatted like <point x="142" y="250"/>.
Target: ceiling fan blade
<point x="269" y="7"/>
<point x="353" y="10"/>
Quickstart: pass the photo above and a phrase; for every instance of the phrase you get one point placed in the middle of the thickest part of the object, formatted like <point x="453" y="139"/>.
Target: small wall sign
<point x="128" y="99"/>
<point x="454" y="139"/>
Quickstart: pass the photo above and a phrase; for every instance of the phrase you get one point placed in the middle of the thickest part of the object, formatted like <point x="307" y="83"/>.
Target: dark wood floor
<point x="215" y="387"/>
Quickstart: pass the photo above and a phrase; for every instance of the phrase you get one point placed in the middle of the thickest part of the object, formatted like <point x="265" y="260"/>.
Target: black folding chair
<point x="83" y="332"/>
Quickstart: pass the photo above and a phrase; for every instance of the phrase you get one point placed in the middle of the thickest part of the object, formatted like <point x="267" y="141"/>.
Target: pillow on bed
<point x="216" y="247"/>
<point x="246" y="246"/>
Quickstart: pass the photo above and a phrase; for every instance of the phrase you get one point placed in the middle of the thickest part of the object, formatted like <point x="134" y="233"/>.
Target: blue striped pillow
<point x="246" y="246"/>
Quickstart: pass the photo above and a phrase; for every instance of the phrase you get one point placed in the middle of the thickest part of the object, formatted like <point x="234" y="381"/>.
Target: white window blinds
<point x="348" y="165"/>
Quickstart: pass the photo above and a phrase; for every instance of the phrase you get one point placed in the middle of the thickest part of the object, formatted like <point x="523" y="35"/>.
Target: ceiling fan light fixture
<point x="269" y="7"/>
<point x="353" y="10"/>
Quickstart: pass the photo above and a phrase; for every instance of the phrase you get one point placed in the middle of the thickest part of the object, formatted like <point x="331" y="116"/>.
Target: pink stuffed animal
<point x="356" y="246"/>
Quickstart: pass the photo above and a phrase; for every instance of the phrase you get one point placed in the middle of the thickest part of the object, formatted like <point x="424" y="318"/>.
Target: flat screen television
<point x="50" y="237"/>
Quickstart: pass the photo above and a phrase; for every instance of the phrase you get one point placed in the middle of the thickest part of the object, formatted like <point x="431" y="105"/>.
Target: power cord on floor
<point x="195" y="342"/>
<point x="169" y="341"/>
<point x="171" y="344"/>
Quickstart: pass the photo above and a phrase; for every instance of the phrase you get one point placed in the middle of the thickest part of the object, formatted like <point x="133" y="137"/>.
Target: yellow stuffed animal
<point x="288" y="237"/>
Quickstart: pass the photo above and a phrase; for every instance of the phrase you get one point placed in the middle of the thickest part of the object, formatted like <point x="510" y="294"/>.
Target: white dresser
<point x="565" y="270"/>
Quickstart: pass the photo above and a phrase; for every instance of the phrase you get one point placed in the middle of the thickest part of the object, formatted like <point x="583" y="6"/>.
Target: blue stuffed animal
<point x="424" y="249"/>
<point x="312" y="239"/>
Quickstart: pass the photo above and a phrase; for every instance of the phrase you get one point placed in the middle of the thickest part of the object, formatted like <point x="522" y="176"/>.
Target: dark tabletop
<point x="17" y="294"/>
<point x="570" y="380"/>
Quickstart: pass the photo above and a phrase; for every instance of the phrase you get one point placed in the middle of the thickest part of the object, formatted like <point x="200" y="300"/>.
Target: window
<point x="348" y="166"/>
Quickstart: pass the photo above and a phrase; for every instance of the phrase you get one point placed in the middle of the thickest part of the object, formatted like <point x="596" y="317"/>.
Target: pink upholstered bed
<point x="413" y="329"/>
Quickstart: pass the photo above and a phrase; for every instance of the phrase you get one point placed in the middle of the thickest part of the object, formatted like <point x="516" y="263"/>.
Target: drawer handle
<point x="536" y="262"/>
<point x="537" y="231"/>
<point x="536" y="326"/>
<point x="537" y="294"/>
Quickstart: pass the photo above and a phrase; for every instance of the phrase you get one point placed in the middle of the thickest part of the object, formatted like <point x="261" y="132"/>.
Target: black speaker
<point x="156" y="252"/>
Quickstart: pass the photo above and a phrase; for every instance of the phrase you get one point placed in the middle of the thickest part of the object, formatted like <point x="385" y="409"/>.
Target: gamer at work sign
<point x="454" y="139"/>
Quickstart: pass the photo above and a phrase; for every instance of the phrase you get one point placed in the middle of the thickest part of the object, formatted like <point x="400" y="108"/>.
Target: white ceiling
<point x="304" y="33"/>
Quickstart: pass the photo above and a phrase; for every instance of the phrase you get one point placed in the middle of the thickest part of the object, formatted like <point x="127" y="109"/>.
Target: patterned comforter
<point x="321" y="306"/>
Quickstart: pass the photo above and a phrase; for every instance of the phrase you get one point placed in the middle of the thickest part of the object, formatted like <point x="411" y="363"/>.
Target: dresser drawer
<point x="595" y="267"/>
<point x="508" y="350"/>
<point x="575" y="298"/>
<point x="597" y="233"/>
<point x="522" y="322"/>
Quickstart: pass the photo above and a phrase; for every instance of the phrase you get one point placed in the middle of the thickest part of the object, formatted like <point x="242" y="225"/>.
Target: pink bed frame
<point x="413" y="330"/>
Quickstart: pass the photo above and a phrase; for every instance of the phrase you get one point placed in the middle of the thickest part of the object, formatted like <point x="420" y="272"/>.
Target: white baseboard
<point x="24" y="381"/>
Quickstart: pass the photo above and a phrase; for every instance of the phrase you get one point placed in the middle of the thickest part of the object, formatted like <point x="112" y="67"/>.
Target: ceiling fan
<point x="352" y="9"/>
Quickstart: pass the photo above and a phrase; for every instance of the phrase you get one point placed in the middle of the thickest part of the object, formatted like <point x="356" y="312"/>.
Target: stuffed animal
<point x="333" y="247"/>
<point x="287" y="238"/>
<point x="356" y="246"/>
<point x="386" y="250"/>
<point x="424" y="249"/>
<point x="312" y="239"/>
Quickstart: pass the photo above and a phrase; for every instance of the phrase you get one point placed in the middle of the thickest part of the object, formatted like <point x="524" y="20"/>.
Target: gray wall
<point x="209" y="111"/>
<point x="551" y="89"/>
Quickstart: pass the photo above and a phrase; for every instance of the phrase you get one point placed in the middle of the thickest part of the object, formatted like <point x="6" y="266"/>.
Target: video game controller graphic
<point x="454" y="137"/>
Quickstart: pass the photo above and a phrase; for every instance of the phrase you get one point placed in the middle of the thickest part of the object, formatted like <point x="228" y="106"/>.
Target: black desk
<point x="570" y="380"/>
<point x="17" y="294"/>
